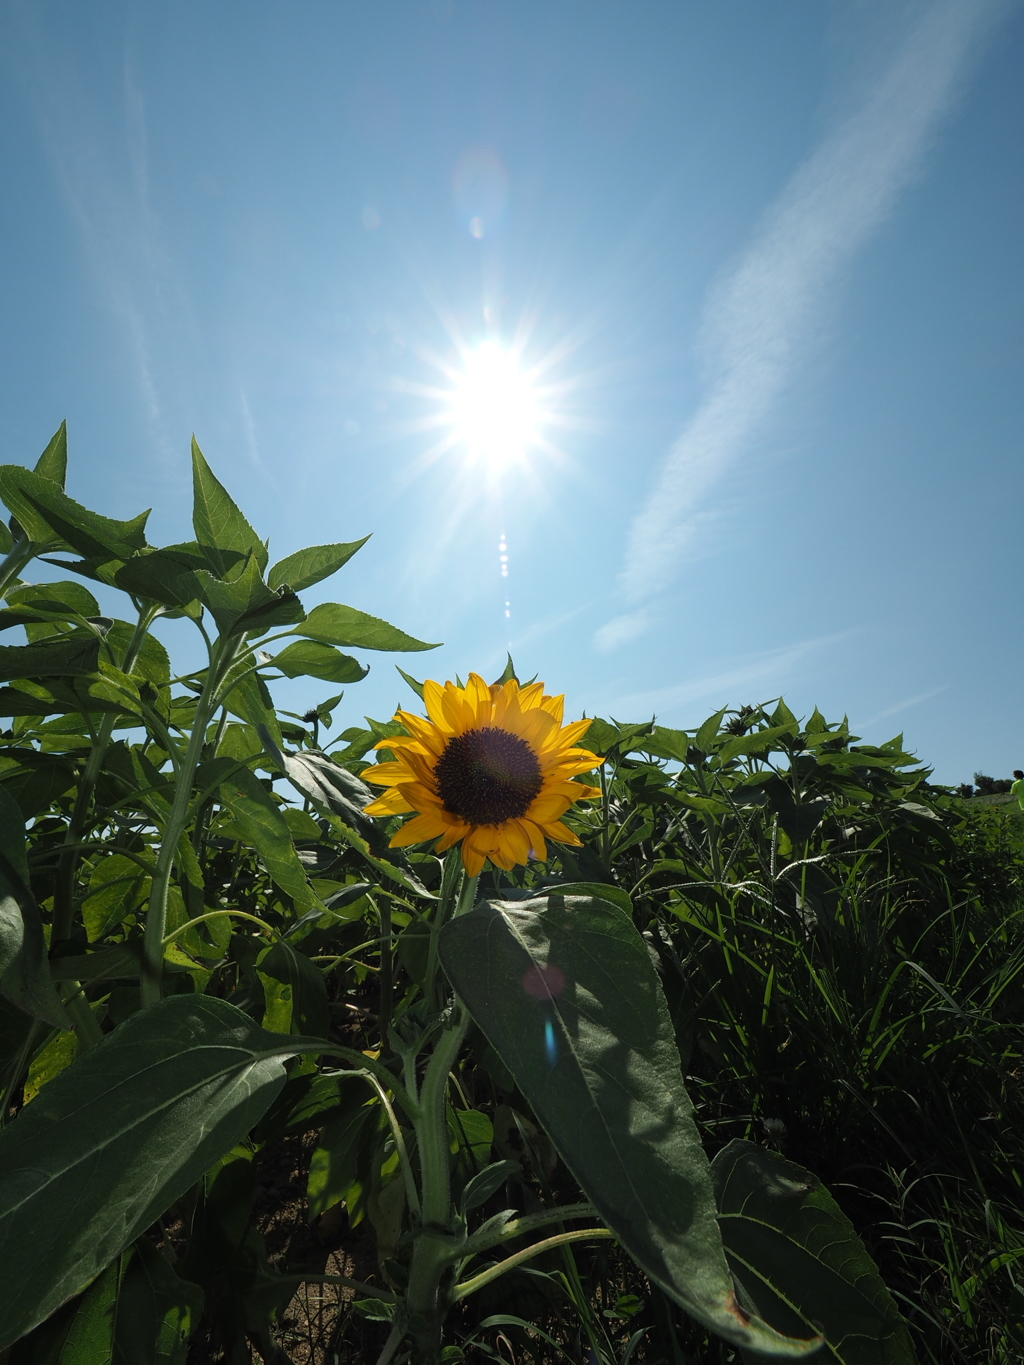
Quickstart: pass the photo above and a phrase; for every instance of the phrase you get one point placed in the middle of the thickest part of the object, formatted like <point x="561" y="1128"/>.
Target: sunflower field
<point x="475" y="1033"/>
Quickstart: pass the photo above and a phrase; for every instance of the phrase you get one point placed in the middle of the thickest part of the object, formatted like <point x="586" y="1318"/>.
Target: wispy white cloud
<point x="759" y="320"/>
<point x="904" y="705"/>
<point x="771" y="670"/>
<point x="621" y="629"/>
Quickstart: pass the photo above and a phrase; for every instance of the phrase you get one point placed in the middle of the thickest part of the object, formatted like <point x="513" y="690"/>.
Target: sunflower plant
<point x="215" y="939"/>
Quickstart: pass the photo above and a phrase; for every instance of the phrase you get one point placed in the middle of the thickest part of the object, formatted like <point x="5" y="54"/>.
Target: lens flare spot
<point x="550" y="1043"/>
<point x="543" y="983"/>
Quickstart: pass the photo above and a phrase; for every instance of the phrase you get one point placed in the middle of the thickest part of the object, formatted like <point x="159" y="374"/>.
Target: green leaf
<point x="295" y="992"/>
<point x="6" y="539"/>
<point x="708" y="732"/>
<point x="310" y="659"/>
<point x="51" y="518"/>
<point x="69" y="656"/>
<point x="666" y="743"/>
<point x="782" y="715"/>
<point x="217" y="522"/>
<point x="307" y="1101"/>
<point x="246" y="604"/>
<point x="312" y="565"/>
<point x="487" y="1182"/>
<point x="417" y="687"/>
<point x="138" y="1310"/>
<point x="240" y="742"/>
<point x="62" y="600"/>
<point x="117" y="887"/>
<point x="756" y="741"/>
<point x="508" y="673"/>
<point x="53" y="463"/>
<point x="799" y="1260"/>
<point x="564" y="989"/>
<point x="334" y="624"/>
<point x="397" y="871"/>
<point x="17" y="702"/>
<point x="24" y="973"/>
<point x="609" y="895"/>
<point x="39" y="780"/>
<point x="112" y="1141"/>
<point x="160" y="576"/>
<point x="318" y="777"/>
<point x="152" y="663"/>
<point x="337" y="1164"/>
<point x="262" y="820"/>
<point x="247" y="696"/>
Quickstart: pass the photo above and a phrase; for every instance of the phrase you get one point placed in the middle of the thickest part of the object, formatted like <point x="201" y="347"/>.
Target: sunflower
<point x="490" y="765"/>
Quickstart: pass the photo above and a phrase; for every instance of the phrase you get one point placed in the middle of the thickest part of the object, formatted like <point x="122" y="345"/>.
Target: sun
<point x="495" y="411"/>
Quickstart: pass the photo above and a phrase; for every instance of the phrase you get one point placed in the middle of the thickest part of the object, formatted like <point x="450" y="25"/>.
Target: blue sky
<point x="760" y="263"/>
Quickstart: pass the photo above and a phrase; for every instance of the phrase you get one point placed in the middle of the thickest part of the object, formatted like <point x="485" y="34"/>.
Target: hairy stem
<point x="467" y="1287"/>
<point x="221" y="657"/>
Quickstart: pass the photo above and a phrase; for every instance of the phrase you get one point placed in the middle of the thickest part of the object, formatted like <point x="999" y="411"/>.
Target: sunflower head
<point x="491" y="766"/>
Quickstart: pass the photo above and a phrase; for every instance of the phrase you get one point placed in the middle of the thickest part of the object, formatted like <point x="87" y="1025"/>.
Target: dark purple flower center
<point x="487" y="776"/>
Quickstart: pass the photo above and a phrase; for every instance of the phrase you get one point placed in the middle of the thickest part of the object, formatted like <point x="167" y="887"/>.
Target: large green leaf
<point x="161" y="576"/>
<point x="218" y="523"/>
<point x="247" y="696"/>
<point x="246" y="603"/>
<point x="317" y="776"/>
<point x="38" y="781"/>
<point x="564" y="989"/>
<point x="50" y="517"/>
<point x="24" y="973"/>
<point x="53" y="463"/>
<point x="68" y="656"/>
<point x="294" y="990"/>
<point x="47" y="601"/>
<point x="14" y="701"/>
<point x="334" y="624"/>
<point x="312" y="565"/>
<point x="138" y="1312"/>
<point x="109" y="1143"/>
<point x="262" y="822"/>
<point x="799" y="1261"/>
<point x="311" y="659"/>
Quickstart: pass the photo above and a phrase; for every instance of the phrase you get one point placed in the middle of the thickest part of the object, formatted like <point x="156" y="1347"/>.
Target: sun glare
<point x="494" y="409"/>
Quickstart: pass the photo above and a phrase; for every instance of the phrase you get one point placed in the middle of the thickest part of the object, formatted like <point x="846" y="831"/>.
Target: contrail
<point x="758" y="321"/>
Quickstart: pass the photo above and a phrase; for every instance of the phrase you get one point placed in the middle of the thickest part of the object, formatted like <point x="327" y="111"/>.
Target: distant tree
<point x="991" y="786"/>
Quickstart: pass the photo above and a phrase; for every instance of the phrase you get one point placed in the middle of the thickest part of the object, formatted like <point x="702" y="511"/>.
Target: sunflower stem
<point x="451" y="880"/>
<point x="467" y="897"/>
<point x="427" y="1302"/>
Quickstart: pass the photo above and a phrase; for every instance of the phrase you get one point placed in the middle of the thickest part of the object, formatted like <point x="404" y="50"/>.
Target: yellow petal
<point x="561" y="834"/>
<point x="548" y="806"/>
<point x="427" y="734"/>
<point x="433" y="700"/>
<point x="473" y="858"/>
<point x="536" y="836"/>
<point x="417" y="831"/>
<point x="457" y="830"/>
<point x="478" y="696"/>
<point x="531" y="696"/>
<point x="392" y="802"/>
<point x="387" y="774"/>
<point x="569" y="734"/>
<point x="554" y="706"/>
<point x="515" y="841"/>
<point x="422" y="797"/>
